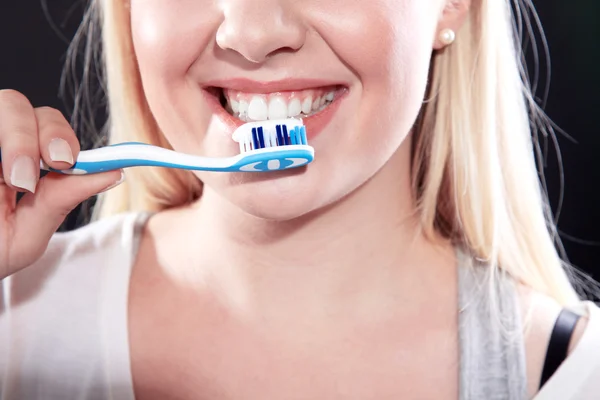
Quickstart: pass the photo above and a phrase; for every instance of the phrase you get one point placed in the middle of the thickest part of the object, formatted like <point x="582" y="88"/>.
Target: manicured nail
<point x="24" y="173"/>
<point x="60" y="151"/>
<point x="117" y="183"/>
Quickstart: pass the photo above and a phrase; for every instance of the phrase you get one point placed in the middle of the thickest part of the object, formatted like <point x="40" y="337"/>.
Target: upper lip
<point x="284" y="85"/>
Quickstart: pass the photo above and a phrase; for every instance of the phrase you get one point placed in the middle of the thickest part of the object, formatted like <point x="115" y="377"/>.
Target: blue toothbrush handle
<point x="87" y="163"/>
<point x="133" y="154"/>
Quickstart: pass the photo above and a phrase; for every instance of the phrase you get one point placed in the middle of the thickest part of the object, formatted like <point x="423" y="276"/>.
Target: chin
<point x="274" y="196"/>
<point x="289" y="212"/>
<point x="278" y="198"/>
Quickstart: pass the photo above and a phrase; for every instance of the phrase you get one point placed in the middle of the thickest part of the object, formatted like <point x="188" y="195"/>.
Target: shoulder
<point x="579" y="375"/>
<point x="75" y="259"/>
<point x="539" y="313"/>
<point x="95" y="236"/>
<point x="60" y="310"/>
<point x="93" y="239"/>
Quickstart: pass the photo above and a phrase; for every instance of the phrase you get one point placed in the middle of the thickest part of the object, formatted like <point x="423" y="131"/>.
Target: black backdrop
<point x="34" y="36"/>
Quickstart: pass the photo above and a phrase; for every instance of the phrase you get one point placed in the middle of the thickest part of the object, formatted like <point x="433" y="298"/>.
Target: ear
<point x="453" y="17"/>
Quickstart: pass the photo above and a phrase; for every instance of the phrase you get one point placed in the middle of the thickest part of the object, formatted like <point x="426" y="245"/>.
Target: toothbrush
<point x="270" y="145"/>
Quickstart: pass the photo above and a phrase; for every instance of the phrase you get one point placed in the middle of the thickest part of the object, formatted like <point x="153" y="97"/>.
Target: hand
<point x="28" y="134"/>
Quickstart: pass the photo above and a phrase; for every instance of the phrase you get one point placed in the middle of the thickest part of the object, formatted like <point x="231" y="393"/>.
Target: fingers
<point x="19" y="141"/>
<point x="58" y="144"/>
<point x="8" y="197"/>
<point x="26" y="136"/>
<point x="39" y="215"/>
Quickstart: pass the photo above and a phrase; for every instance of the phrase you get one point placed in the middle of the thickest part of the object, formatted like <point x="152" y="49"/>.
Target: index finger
<point x="19" y="141"/>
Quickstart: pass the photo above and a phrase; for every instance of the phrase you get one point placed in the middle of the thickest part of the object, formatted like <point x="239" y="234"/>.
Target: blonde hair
<point x="474" y="170"/>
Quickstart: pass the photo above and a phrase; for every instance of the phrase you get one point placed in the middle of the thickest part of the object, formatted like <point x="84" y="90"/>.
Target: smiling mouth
<point x="249" y="107"/>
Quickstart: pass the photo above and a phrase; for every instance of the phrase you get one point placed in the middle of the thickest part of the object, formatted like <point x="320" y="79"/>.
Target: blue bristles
<point x="295" y="136"/>
<point x="280" y="139"/>
<point x="255" y="138"/>
<point x="261" y="137"/>
<point x="286" y="136"/>
<point x="298" y="135"/>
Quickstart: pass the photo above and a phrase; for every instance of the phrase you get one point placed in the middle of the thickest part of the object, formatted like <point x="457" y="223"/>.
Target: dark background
<point x="34" y="36"/>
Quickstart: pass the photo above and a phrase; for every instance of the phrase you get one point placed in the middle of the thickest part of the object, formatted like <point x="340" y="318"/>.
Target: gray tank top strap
<point x="491" y="344"/>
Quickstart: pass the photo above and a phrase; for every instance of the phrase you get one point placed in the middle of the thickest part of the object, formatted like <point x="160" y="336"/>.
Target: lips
<point x="328" y="94"/>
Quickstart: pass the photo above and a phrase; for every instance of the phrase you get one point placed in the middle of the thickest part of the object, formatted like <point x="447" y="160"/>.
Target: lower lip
<point x="314" y="124"/>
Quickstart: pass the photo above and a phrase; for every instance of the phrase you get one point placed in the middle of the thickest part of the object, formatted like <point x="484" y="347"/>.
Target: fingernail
<point x="60" y="151"/>
<point x="117" y="183"/>
<point x="24" y="173"/>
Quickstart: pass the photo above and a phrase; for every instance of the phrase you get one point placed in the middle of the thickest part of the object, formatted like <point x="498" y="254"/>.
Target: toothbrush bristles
<point x="280" y="136"/>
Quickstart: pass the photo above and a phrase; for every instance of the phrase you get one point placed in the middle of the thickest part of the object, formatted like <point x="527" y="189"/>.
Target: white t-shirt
<point x="63" y="321"/>
<point x="63" y="324"/>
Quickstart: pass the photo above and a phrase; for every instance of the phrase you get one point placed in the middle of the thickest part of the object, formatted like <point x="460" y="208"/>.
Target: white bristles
<point x="243" y="134"/>
<point x="270" y="138"/>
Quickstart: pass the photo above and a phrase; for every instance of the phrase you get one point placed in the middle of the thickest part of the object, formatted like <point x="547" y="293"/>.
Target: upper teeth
<point x="260" y="107"/>
<point x="257" y="110"/>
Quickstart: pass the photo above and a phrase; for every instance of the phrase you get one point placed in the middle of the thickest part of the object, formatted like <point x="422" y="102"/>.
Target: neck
<point x="367" y="244"/>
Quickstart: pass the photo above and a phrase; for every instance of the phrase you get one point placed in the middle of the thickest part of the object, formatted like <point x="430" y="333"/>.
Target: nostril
<point x="257" y="34"/>
<point x="283" y="50"/>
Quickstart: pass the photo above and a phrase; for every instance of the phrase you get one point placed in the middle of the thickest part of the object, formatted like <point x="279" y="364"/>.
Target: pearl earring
<point x="447" y="36"/>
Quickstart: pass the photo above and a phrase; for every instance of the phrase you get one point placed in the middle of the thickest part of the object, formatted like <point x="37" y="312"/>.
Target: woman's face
<point x="358" y="68"/>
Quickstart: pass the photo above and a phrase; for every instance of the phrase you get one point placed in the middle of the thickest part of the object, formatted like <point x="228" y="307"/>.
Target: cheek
<point x="386" y="41"/>
<point x="165" y="49"/>
<point x="388" y="45"/>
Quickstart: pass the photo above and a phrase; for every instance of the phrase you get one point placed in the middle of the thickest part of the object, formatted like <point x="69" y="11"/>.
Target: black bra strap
<point x="559" y="343"/>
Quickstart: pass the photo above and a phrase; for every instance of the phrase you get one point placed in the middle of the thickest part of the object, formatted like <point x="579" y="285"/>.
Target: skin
<point x="281" y="301"/>
<point x="26" y="134"/>
<point x="316" y="284"/>
<point x="226" y="39"/>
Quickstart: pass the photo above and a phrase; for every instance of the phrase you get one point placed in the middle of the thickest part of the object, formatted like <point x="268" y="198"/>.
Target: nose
<point x="258" y="29"/>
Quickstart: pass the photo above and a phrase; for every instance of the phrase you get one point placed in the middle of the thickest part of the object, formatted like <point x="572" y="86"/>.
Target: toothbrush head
<point x="273" y="145"/>
<point x="271" y="133"/>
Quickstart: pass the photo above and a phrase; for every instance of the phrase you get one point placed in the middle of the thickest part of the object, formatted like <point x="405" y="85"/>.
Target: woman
<point x="414" y="249"/>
